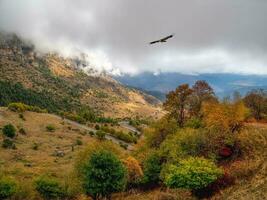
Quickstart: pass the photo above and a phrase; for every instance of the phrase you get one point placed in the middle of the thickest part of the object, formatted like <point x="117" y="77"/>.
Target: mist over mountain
<point x="224" y="84"/>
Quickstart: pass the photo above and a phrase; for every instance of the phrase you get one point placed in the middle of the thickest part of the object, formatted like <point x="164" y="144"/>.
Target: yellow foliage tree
<point x="224" y="116"/>
<point x="134" y="171"/>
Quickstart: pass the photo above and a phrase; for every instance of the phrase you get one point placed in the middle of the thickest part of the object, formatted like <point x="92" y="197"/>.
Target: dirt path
<point x="108" y="136"/>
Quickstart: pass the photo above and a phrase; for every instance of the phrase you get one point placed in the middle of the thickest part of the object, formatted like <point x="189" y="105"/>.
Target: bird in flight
<point x="162" y="39"/>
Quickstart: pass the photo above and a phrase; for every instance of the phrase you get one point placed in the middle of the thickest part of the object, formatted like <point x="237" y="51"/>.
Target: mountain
<point x="61" y="84"/>
<point x="223" y="84"/>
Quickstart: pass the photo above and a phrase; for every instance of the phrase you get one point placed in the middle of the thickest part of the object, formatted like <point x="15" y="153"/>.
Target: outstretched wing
<point x="166" y="38"/>
<point x="156" y="41"/>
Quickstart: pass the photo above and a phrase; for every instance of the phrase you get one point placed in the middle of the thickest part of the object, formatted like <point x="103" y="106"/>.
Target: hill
<point x="59" y="84"/>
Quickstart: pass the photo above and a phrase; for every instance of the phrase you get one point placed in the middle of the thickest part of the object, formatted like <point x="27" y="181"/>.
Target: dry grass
<point x="25" y="163"/>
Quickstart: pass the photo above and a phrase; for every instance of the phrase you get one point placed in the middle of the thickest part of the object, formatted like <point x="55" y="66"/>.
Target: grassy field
<point x="35" y="152"/>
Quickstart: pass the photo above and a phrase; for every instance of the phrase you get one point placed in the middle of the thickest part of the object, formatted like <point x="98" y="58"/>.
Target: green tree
<point x="177" y="102"/>
<point x="9" y="131"/>
<point x="192" y="173"/>
<point x="103" y="175"/>
<point x="152" y="168"/>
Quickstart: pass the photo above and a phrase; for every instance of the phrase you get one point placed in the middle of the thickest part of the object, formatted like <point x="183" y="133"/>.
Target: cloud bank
<point x="222" y="36"/>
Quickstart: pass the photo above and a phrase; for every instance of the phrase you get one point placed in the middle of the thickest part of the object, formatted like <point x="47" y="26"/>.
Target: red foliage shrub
<point x="226" y="152"/>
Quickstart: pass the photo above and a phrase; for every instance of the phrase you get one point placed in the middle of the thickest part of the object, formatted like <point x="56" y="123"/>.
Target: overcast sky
<point x="210" y="35"/>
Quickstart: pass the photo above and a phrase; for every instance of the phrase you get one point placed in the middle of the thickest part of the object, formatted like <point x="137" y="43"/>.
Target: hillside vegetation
<point x="59" y="84"/>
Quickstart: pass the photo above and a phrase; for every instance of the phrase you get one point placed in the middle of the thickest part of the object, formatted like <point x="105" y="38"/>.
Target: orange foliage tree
<point x="134" y="171"/>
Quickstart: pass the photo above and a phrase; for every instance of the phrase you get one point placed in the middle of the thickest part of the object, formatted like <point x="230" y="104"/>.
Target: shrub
<point x="8" y="144"/>
<point x="21" y="116"/>
<point x="91" y="133"/>
<point x="184" y="143"/>
<point x="100" y="134"/>
<point x="7" y="188"/>
<point x="97" y="127"/>
<point x="103" y="175"/>
<point x="17" y="107"/>
<point x="49" y="188"/>
<point x="192" y="173"/>
<point x="22" y="131"/>
<point x="152" y="168"/>
<point x="35" y="146"/>
<point x="194" y="123"/>
<point x="134" y="171"/>
<point x="50" y="128"/>
<point x="9" y="131"/>
<point x="79" y="142"/>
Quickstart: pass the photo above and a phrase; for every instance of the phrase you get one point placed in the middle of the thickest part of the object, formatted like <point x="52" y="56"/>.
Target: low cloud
<point x="210" y="36"/>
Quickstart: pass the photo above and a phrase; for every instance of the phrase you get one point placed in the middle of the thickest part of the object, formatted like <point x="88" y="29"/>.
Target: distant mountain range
<point x="223" y="84"/>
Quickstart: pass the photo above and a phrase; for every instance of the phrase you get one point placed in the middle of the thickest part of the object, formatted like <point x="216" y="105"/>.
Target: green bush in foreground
<point x="103" y="174"/>
<point x="49" y="188"/>
<point x="9" y="131"/>
<point x="192" y="173"/>
<point x="152" y="168"/>
<point x="7" y="188"/>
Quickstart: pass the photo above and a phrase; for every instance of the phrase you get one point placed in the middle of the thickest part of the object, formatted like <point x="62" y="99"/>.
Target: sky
<point x="211" y="36"/>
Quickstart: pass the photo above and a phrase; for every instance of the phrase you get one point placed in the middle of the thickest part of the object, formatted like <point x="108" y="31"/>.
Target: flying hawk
<point x="162" y="39"/>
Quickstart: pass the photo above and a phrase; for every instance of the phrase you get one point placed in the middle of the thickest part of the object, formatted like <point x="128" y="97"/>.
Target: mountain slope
<point x="59" y="84"/>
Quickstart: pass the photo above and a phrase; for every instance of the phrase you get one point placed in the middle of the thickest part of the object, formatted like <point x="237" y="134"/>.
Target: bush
<point x="91" y="133"/>
<point x="17" y="107"/>
<point x="152" y="168"/>
<point x="100" y="134"/>
<point x="21" y="107"/>
<point x="79" y="142"/>
<point x="35" y="146"/>
<point x="22" y="131"/>
<point x="8" y="144"/>
<point x="192" y="173"/>
<point x="97" y="127"/>
<point x="103" y="175"/>
<point x="9" y="131"/>
<point x="49" y="188"/>
<point x="134" y="171"/>
<point x="21" y="116"/>
<point x="50" y="128"/>
<point x="194" y="123"/>
<point x="7" y="188"/>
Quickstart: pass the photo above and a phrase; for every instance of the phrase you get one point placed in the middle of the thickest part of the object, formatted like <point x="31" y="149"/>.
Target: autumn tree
<point x="177" y="102"/>
<point x="134" y="171"/>
<point x="256" y="100"/>
<point x="227" y="117"/>
<point x="202" y="92"/>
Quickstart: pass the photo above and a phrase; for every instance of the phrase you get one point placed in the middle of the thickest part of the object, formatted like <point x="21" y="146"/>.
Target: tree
<point x="177" y="101"/>
<point x="224" y="116"/>
<point x="256" y="100"/>
<point x="152" y="168"/>
<point x="202" y="92"/>
<point x="192" y="173"/>
<point x="103" y="174"/>
<point x="9" y="131"/>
